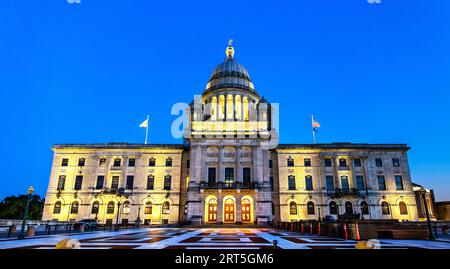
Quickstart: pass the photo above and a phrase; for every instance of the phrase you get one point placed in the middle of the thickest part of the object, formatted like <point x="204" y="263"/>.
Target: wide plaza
<point x="207" y="238"/>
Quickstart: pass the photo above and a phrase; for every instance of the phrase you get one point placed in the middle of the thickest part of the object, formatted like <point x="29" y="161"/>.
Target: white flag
<point x="144" y="124"/>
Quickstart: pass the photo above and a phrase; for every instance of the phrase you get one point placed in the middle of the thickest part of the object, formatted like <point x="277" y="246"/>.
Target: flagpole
<point x="146" y="131"/>
<point x="313" y="131"/>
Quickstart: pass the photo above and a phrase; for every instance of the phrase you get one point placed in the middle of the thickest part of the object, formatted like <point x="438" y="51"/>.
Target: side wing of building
<point x="89" y="182"/>
<point x="313" y="181"/>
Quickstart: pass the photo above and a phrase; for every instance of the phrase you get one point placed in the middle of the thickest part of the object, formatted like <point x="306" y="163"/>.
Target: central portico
<point x="229" y="128"/>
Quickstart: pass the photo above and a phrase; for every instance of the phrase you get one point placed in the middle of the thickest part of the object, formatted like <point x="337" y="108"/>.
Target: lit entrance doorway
<point x="229" y="211"/>
<point x="246" y="211"/>
<point x="212" y="210"/>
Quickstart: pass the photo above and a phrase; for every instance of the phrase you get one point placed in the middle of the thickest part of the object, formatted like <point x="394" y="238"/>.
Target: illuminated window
<point x="95" y="207"/>
<point x="166" y="208"/>
<point x="293" y="208"/>
<point x="333" y="208"/>
<point x="110" y="208"/>
<point x="229" y="175"/>
<point x="221" y="107"/>
<point x="74" y="208"/>
<point x="230" y="108"/>
<point x="385" y="208"/>
<point x="364" y="208"/>
<point x="57" y="208"/>
<point x="148" y="208"/>
<point x="238" y="105"/>
<point x="310" y="208"/>
<point x="403" y="208"/>
<point x="81" y="161"/>
<point x="246" y="113"/>
<point x="65" y="162"/>
<point x="126" y="207"/>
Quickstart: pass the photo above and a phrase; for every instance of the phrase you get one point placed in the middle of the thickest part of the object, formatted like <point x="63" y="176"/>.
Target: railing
<point x="341" y="193"/>
<point x="233" y="185"/>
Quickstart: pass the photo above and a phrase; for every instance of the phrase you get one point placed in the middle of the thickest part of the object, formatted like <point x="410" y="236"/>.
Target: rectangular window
<point x="344" y="183"/>
<point x="130" y="182"/>
<point x="188" y="164"/>
<point x="115" y="183"/>
<point x="102" y="162"/>
<point x="167" y="182"/>
<point x="291" y="182"/>
<point x="150" y="182"/>
<point x="395" y="162"/>
<point x="246" y="175"/>
<point x="308" y="183"/>
<point x="342" y="163"/>
<point x="229" y="175"/>
<point x="357" y="162"/>
<point x="330" y="183"/>
<point x="327" y="162"/>
<point x="271" y="183"/>
<point x="378" y="162"/>
<point x="399" y="183"/>
<point x="117" y="162"/>
<point x="131" y="162"/>
<point x="307" y="162"/>
<point x="211" y="175"/>
<point x="81" y="161"/>
<point x="270" y="164"/>
<point x="381" y="183"/>
<point x="360" y="183"/>
<point x="290" y="161"/>
<point x="61" y="182"/>
<point x="65" y="162"/>
<point x="100" y="182"/>
<point x="169" y="162"/>
<point x="78" y="182"/>
<point x="152" y="162"/>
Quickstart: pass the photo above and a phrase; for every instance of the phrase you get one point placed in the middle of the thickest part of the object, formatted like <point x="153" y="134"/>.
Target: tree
<point x="13" y="207"/>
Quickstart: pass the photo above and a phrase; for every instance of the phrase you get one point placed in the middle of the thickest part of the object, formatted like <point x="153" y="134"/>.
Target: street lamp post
<point x="25" y="215"/>
<point x="117" y="217"/>
<point x="423" y="192"/>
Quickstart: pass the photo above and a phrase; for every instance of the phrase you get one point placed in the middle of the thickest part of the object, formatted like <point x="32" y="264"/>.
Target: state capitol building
<point x="230" y="169"/>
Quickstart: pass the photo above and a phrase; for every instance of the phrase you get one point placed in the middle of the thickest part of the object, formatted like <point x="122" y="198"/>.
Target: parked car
<point x="329" y="218"/>
<point x="89" y="224"/>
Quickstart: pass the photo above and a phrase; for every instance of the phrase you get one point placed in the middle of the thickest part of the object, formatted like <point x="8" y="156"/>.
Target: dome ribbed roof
<point x="230" y="74"/>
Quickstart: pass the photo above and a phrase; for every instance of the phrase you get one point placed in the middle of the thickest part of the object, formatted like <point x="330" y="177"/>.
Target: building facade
<point x="230" y="169"/>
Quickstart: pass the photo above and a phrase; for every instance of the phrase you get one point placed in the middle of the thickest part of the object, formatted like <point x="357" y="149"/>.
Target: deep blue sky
<point x="87" y="73"/>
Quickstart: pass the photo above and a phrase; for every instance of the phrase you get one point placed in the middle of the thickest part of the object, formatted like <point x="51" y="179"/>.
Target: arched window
<point x="74" y="208"/>
<point x="166" y="208"/>
<point x="148" y="208"/>
<point x="364" y="208"/>
<point x="126" y="207"/>
<point x="151" y="161"/>
<point x="385" y="208"/>
<point x="348" y="208"/>
<point x="403" y="208"/>
<point x="290" y="161"/>
<point x="57" y="208"/>
<point x="293" y="208"/>
<point x="310" y="208"/>
<point x="95" y="207"/>
<point x="333" y="208"/>
<point x="110" y="208"/>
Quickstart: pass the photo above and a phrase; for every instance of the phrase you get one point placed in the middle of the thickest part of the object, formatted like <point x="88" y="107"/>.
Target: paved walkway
<point x="207" y="238"/>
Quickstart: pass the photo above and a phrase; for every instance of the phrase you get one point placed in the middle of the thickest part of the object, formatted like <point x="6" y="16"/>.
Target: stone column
<point x="204" y="166"/>
<point x="238" y="164"/>
<point x="219" y="208"/>
<point x="255" y="160"/>
<point x="220" y="166"/>
<point x="335" y="172"/>
<point x="238" y="209"/>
